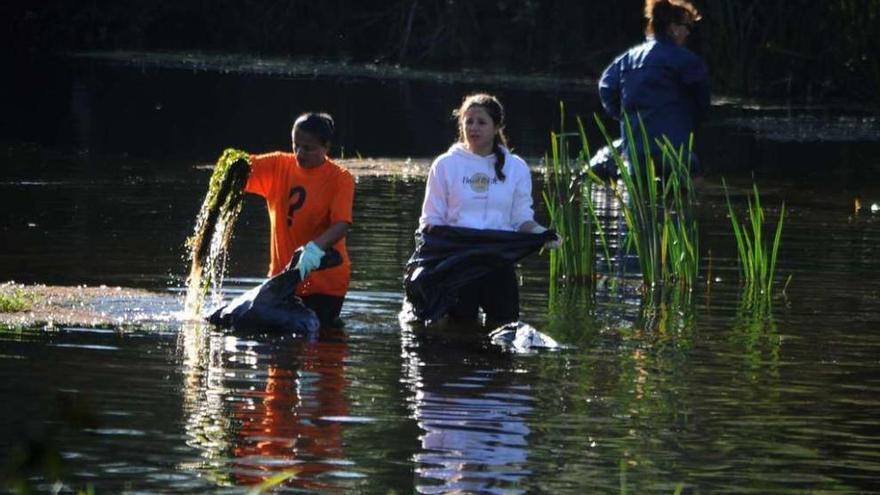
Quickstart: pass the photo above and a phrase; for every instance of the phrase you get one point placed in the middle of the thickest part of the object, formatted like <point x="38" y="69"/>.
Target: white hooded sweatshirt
<point x="463" y="191"/>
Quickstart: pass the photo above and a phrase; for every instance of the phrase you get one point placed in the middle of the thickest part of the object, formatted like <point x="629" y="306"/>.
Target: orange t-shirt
<point x="303" y="203"/>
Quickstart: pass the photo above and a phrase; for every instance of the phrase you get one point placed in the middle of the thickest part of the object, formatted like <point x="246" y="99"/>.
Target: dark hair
<point x="496" y="112"/>
<point x="661" y="13"/>
<point x="319" y="125"/>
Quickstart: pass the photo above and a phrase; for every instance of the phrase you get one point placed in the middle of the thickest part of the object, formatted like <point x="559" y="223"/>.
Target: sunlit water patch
<point x="807" y="128"/>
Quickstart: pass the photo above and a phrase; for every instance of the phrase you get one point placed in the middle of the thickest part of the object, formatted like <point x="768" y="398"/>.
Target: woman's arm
<point x="609" y="89"/>
<point x="522" y="215"/>
<point x="332" y="235"/>
<point x="435" y="205"/>
<point x="695" y="77"/>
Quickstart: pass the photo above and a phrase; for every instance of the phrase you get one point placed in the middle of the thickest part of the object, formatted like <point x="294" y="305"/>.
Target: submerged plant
<point x="658" y="209"/>
<point x="756" y="254"/>
<point x="214" y="226"/>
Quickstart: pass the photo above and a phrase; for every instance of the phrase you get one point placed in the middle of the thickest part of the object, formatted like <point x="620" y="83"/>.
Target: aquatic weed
<point x="658" y="208"/>
<point x="757" y="256"/>
<point x="214" y="226"/>
<point x="568" y="196"/>
<point x="574" y="260"/>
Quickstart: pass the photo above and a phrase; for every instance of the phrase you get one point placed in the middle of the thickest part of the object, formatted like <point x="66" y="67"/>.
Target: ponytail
<point x="500" y="140"/>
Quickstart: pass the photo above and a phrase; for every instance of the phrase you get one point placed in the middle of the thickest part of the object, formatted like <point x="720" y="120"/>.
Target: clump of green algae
<point x="207" y="247"/>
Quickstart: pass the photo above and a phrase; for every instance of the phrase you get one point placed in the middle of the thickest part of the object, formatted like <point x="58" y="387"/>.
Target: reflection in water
<point x="257" y="409"/>
<point x="754" y="329"/>
<point x="472" y="410"/>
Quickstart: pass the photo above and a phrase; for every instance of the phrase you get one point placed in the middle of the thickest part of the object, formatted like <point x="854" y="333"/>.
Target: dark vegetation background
<point x="805" y="50"/>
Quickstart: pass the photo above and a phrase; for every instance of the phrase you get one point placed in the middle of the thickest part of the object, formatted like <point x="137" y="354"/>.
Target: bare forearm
<point x="333" y="234"/>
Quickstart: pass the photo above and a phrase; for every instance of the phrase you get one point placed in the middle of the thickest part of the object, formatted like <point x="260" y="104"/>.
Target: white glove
<point x="309" y="259"/>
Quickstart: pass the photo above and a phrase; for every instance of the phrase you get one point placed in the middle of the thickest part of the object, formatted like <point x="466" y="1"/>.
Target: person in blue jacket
<point x="659" y="81"/>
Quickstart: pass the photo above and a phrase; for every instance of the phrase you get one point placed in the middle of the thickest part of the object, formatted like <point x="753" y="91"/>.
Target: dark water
<point x="99" y="186"/>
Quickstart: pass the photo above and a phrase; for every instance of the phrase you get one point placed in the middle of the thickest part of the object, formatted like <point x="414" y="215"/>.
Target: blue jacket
<point x="664" y="83"/>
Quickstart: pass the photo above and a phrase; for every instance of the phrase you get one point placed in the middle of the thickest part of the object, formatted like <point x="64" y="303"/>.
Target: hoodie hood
<point x="459" y="149"/>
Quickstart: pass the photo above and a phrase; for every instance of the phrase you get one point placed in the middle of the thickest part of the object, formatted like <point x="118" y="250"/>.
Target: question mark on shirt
<point x="297" y="198"/>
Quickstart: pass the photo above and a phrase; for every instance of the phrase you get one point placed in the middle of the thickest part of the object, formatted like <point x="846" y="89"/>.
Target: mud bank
<point x="53" y="306"/>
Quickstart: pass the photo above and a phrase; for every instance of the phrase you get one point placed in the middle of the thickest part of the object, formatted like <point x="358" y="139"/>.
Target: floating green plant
<point x="658" y="209"/>
<point x="756" y="254"/>
<point x="214" y="226"/>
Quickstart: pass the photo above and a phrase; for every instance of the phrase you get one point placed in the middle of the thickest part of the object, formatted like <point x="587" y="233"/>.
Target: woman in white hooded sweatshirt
<point x="478" y="183"/>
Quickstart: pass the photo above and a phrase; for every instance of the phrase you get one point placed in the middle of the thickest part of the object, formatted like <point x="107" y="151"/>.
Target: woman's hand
<point x="309" y="259"/>
<point x="532" y="227"/>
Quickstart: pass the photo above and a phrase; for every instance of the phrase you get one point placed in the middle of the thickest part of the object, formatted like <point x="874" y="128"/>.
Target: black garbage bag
<point x="272" y="306"/>
<point x="448" y="258"/>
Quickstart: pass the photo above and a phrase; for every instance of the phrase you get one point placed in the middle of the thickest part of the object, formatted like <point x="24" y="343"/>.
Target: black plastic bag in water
<point x="272" y="306"/>
<point x="448" y="258"/>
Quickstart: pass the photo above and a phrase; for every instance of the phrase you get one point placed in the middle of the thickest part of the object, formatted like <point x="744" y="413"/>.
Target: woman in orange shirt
<point x="309" y="199"/>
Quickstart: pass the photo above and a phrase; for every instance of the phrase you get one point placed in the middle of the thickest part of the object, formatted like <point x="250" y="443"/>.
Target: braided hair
<point x="496" y="112"/>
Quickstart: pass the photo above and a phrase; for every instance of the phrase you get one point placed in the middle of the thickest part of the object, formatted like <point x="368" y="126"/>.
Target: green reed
<point x="658" y="209"/>
<point x="568" y="197"/>
<point x="208" y="245"/>
<point x="756" y="254"/>
<point x="574" y="260"/>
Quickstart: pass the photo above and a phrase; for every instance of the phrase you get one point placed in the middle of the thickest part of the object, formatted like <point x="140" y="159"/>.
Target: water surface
<point x="101" y="184"/>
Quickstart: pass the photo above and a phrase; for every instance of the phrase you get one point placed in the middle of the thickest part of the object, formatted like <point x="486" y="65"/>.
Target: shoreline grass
<point x="14" y="298"/>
